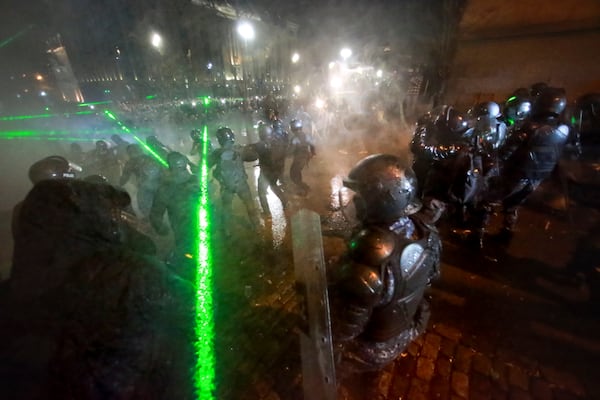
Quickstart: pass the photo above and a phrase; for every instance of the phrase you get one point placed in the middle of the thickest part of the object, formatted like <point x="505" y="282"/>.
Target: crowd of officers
<point x="470" y="164"/>
<point x="464" y="165"/>
<point x="166" y="195"/>
<point x="103" y="316"/>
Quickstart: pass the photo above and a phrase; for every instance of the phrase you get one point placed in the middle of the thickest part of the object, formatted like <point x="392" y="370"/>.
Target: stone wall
<point x="503" y="46"/>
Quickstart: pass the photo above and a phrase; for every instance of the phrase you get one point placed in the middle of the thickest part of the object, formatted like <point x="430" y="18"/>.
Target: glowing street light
<point x="156" y="40"/>
<point x="295" y="58"/>
<point x="345" y="53"/>
<point x="246" y="31"/>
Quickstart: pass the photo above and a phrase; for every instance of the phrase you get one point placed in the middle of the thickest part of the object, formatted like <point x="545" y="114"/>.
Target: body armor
<point x="229" y="170"/>
<point x="541" y="146"/>
<point x="386" y="278"/>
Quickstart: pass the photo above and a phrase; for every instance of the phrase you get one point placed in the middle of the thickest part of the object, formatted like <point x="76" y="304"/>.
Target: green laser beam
<point x="8" y="40"/>
<point x="72" y="133"/>
<point x="51" y="138"/>
<point x="95" y="103"/>
<point x="125" y="129"/>
<point x="35" y="116"/>
<point x="204" y="376"/>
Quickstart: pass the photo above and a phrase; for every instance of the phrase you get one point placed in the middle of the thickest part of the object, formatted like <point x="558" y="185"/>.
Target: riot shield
<point x="316" y="346"/>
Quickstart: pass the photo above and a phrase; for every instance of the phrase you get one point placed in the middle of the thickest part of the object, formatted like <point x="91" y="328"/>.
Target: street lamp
<point x="246" y="31"/>
<point x="156" y="40"/>
<point x="295" y="58"/>
<point x="345" y="53"/>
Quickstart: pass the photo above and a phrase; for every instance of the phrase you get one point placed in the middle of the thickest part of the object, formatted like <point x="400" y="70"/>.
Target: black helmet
<point x="265" y="131"/>
<point x="134" y="150"/>
<point x="296" y="125"/>
<point x="225" y="135"/>
<point x="53" y="167"/>
<point x="102" y="146"/>
<point x="487" y="109"/>
<point x="177" y="161"/>
<point x="196" y="135"/>
<point x="550" y="102"/>
<point x="386" y="186"/>
<point x="453" y="119"/>
<point x="537" y="88"/>
<point x="517" y="108"/>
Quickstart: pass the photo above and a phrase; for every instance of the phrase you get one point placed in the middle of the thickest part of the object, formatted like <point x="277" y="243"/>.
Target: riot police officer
<point x="436" y="147"/>
<point x="230" y="172"/>
<point x="178" y="196"/>
<point x="148" y="173"/>
<point x="377" y="293"/>
<point x="271" y="167"/>
<point x="586" y="117"/>
<point x="488" y="130"/>
<point x="48" y="168"/>
<point x="103" y="161"/>
<point x="530" y="155"/>
<point x="69" y="253"/>
<point x="279" y="143"/>
<point x="302" y="149"/>
<point x="516" y="109"/>
<point x="198" y="142"/>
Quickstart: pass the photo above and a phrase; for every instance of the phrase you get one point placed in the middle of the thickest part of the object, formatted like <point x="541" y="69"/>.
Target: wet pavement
<point x="515" y="321"/>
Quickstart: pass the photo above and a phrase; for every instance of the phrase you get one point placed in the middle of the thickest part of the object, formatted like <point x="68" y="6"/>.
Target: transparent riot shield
<point x="316" y="347"/>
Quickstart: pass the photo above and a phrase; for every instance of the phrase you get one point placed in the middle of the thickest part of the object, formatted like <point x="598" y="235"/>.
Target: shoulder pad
<point x="372" y="246"/>
<point x="362" y="282"/>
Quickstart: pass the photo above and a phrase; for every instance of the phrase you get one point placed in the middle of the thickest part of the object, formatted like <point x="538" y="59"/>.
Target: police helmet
<point x="225" y="135"/>
<point x="537" y="88"/>
<point x="453" y="119"/>
<point x="196" y="135"/>
<point x="488" y="109"/>
<point x="386" y="185"/>
<point x="265" y="131"/>
<point x="177" y="161"/>
<point x="102" y="146"/>
<point x="517" y="108"/>
<point x="550" y="102"/>
<point x="53" y="167"/>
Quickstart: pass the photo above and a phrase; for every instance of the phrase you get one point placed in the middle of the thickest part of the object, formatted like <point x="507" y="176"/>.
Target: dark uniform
<point x="198" y="142"/>
<point x="85" y="314"/>
<point x="437" y="146"/>
<point x="231" y="174"/>
<point x="378" y="304"/>
<point x="271" y="160"/>
<point x="148" y="174"/>
<point x="103" y="161"/>
<point x="302" y="149"/>
<point x="178" y="196"/>
<point x="530" y="155"/>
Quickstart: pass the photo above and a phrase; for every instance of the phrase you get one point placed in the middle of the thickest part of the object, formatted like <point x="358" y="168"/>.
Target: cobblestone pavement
<point x="513" y="322"/>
